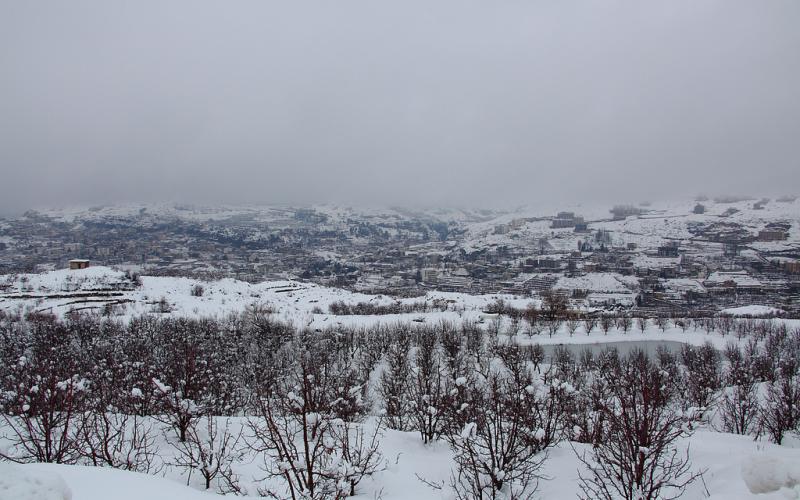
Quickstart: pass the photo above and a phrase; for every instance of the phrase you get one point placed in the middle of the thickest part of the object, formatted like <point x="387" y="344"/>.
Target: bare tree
<point x="703" y="377"/>
<point x="662" y="322"/>
<point x="305" y="429"/>
<point x="427" y="389"/>
<point x="572" y="323"/>
<point x="725" y="324"/>
<point x="493" y="328"/>
<point x="585" y="416"/>
<point x="780" y="413"/>
<point x="507" y="423"/>
<point x="395" y="382"/>
<point x="589" y="324"/>
<point x="499" y="452"/>
<point x="536" y="356"/>
<point x="358" y="454"/>
<point x="41" y="396"/>
<point x="554" y="305"/>
<point x="553" y="325"/>
<point x="606" y="322"/>
<point x="624" y="323"/>
<point x="43" y="420"/>
<point x="210" y="449"/>
<point x="638" y="459"/>
<point x="179" y="412"/>
<point x="114" y="439"/>
<point x="738" y="407"/>
<point x="532" y="318"/>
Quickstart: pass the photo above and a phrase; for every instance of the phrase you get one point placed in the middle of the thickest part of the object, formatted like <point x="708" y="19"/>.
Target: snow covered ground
<point x="307" y="304"/>
<point x="661" y="220"/>
<point x="752" y="311"/>
<point x="64" y="290"/>
<point x="736" y="468"/>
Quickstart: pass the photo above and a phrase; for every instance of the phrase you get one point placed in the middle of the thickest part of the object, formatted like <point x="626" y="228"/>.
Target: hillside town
<point x="700" y="256"/>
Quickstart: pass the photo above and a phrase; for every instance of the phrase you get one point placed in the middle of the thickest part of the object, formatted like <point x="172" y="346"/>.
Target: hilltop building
<point x="78" y="264"/>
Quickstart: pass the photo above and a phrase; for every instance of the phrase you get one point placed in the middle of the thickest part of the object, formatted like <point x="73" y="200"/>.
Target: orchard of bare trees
<point x="310" y="407"/>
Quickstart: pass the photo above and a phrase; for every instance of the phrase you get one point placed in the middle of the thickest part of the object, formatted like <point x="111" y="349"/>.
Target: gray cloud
<point x="444" y="102"/>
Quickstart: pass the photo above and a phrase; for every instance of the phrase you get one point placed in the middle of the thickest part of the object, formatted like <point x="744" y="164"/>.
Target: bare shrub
<point x="638" y="458"/>
<point x="210" y="449"/>
<point x="507" y="423"/>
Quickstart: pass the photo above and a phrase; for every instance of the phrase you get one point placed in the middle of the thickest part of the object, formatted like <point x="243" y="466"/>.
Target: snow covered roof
<point x="597" y="282"/>
<point x="738" y="278"/>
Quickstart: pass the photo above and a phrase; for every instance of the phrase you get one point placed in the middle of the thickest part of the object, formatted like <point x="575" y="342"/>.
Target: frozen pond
<point x="623" y="347"/>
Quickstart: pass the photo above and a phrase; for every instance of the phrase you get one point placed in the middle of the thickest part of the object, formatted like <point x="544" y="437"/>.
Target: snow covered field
<point x="735" y="467"/>
<point x="299" y="303"/>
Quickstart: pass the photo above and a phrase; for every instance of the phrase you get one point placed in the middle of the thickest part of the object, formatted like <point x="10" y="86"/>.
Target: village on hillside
<point x="698" y="256"/>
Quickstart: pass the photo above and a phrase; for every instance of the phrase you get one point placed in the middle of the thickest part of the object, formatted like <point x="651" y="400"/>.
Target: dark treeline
<point x="341" y="308"/>
<point x="555" y="314"/>
<point x="87" y="389"/>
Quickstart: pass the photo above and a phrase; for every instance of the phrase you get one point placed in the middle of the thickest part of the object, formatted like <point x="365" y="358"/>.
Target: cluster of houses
<point x="722" y="263"/>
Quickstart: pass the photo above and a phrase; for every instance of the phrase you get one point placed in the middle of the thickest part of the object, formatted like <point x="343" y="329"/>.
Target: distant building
<point x="566" y="219"/>
<point x="792" y="267"/>
<point x="730" y="248"/>
<point x="699" y="209"/>
<point x="739" y="280"/>
<point x="562" y="223"/>
<point x="454" y="284"/>
<point x="102" y="251"/>
<point x="771" y="235"/>
<point x="78" y="264"/>
<point x="668" y="250"/>
<point x="547" y="264"/>
<point x="429" y="275"/>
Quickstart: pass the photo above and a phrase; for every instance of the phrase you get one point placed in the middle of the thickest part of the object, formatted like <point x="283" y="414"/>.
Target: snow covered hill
<point x="660" y="221"/>
<point x="98" y="288"/>
<point x="117" y="294"/>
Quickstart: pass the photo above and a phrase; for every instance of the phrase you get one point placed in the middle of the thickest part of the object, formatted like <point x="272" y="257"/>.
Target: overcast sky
<point x="396" y="102"/>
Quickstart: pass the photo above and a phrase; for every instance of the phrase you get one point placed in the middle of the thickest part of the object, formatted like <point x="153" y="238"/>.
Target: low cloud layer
<point x="409" y="102"/>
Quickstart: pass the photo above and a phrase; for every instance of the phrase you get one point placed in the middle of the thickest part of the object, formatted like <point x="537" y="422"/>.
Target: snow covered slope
<point x="736" y="468"/>
<point x="91" y="289"/>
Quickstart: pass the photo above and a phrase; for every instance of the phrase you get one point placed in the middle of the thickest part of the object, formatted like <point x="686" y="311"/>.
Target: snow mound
<point x="102" y="483"/>
<point x="752" y="311"/>
<point x="766" y="474"/>
<point x="18" y="483"/>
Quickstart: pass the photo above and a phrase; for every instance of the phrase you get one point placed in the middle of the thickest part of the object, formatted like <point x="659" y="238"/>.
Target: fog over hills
<point x="432" y="103"/>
